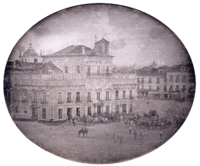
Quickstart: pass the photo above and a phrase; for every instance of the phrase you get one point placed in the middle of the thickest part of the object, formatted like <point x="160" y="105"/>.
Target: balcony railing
<point x="43" y="102"/>
<point x="98" y="74"/>
<point x="60" y="102"/>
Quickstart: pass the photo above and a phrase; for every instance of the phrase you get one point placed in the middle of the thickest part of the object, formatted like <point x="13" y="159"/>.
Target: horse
<point x="83" y="131"/>
<point x="145" y="124"/>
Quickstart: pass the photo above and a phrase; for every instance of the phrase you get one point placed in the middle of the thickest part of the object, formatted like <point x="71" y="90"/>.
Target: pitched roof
<point x="30" y="52"/>
<point x="46" y="68"/>
<point x="73" y="50"/>
<point x="102" y="41"/>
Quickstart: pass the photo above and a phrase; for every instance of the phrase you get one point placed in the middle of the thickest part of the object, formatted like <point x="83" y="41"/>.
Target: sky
<point x="135" y="37"/>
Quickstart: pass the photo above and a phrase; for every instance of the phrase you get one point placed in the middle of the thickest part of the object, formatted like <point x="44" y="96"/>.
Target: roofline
<point x="57" y="56"/>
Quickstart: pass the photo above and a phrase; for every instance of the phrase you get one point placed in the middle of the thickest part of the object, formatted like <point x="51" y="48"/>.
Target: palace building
<point x="74" y="82"/>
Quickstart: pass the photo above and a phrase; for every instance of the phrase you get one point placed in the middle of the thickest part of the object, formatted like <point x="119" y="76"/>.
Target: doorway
<point x="99" y="109"/>
<point x="34" y="114"/>
<point x="69" y="113"/>
<point x="124" y="108"/>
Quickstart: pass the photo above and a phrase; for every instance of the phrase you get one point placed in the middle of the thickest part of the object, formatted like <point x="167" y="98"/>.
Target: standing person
<point x="129" y="129"/>
<point x="121" y="137"/>
<point x="114" y="137"/>
<point x="135" y="134"/>
<point x="141" y="135"/>
<point x="161" y="134"/>
<point x="73" y="120"/>
<point x="118" y="137"/>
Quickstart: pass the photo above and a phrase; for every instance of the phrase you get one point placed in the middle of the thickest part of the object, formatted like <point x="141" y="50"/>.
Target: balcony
<point x="98" y="74"/>
<point x="60" y="102"/>
<point x="150" y="82"/>
<point x="44" y="102"/>
<point x="24" y="101"/>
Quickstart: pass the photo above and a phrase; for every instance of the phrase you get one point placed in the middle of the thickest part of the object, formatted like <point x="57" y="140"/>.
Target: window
<point x="78" y="97"/>
<point x="131" y="108"/>
<point x="158" y="80"/>
<point x="165" y="88"/>
<point x="59" y="97"/>
<point x="149" y="87"/>
<point x="142" y="81"/>
<point x="25" y="112"/>
<point x="89" y="111"/>
<point x="177" y="87"/>
<point x="16" y="96"/>
<point x="34" y="96"/>
<point x="35" y="60"/>
<point x="60" y="113"/>
<point x="117" y="95"/>
<point x="9" y="78"/>
<point x="78" y="70"/>
<point x="98" y="95"/>
<point x="44" y="97"/>
<point x="124" y="94"/>
<point x="138" y="87"/>
<point x="78" y="113"/>
<point x="107" y="95"/>
<point x="22" y="60"/>
<point x="43" y="113"/>
<point x="130" y="94"/>
<point x="88" y="71"/>
<point x="138" y="80"/>
<point x="184" y="78"/>
<point x="142" y="86"/>
<point x="107" y="71"/>
<point x="158" y="88"/>
<point x="171" y="88"/>
<point x="150" y="81"/>
<point x="177" y="78"/>
<point x="8" y="95"/>
<point x="66" y="69"/>
<point x="98" y="70"/>
<point x="25" y="60"/>
<point x="107" y="109"/>
<point x="25" y="97"/>
<point x="171" y="78"/>
<point x="69" y="94"/>
<point x="184" y="88"/>
<point x="89" y="96"/>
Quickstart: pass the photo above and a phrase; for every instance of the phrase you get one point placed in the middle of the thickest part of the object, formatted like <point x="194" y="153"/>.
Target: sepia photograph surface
<point x="99" y="83"/>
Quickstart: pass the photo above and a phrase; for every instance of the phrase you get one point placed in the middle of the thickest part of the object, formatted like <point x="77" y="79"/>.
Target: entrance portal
<point x="69" y="113"/>
<point x="117" y="109"/>
<point x="124" y="108"/>
<point x="99" y="109"/>
<point x="34" y="114"/>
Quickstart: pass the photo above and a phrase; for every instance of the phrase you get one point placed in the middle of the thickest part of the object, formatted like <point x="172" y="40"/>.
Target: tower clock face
<point x="121" y="87"/>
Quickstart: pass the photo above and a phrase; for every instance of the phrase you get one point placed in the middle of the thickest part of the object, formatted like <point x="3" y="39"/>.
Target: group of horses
<point x="152" y="121"/>
<point x="149" y="122"/>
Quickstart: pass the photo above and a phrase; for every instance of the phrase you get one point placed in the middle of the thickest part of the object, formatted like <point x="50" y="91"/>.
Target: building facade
<point x="74" y="82"/>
